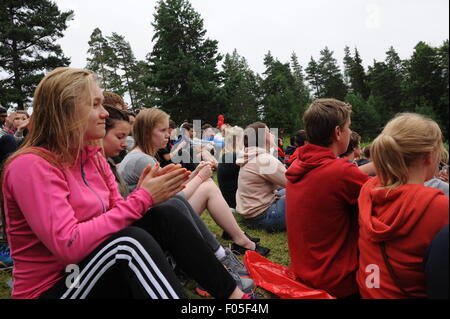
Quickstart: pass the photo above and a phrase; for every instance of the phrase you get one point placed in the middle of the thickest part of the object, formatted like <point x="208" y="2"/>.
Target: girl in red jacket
<point x="398" y="215"/>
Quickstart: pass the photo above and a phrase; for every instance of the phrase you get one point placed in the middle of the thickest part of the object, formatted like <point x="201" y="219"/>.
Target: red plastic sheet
<point x="279" y="279"/>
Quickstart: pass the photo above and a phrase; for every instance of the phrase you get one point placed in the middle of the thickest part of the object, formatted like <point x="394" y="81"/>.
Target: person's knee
<point x="136" y="233"/>
<point x="169" y="213"/>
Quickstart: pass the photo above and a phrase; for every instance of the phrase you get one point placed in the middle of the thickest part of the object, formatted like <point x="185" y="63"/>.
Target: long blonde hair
<point x="58" y="122"/>
<point x="404" y="139"/>
<point x="144" y="124"/>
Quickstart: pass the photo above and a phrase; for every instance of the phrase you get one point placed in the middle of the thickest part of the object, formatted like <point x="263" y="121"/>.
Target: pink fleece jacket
<point x="55" y="218"/>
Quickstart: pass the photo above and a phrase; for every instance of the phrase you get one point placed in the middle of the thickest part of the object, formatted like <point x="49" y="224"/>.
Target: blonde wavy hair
<point x="59" y="119"/>
<point x="58" y="122"/>
<point x="143" y="126"/>
<point x="406" y="138"/>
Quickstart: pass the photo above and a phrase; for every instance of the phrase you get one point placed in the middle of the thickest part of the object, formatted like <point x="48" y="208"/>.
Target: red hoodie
<point x="321" y="217"/>
<point x="406" y="219"/>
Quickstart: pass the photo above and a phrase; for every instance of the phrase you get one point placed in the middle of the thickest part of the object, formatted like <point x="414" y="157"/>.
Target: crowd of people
<point x="119" y="195"/>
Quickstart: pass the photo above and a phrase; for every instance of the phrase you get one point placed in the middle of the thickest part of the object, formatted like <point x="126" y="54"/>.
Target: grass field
<point x="276" y="242"/>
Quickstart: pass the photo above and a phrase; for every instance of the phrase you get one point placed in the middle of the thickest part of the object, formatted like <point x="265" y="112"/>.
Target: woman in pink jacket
<point x="70" y="232"/>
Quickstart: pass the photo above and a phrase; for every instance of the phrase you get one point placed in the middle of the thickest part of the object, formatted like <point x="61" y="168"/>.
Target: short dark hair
<point x="252" y="130"/>
<point x="366" y="151"/>
<point x="3" y="110"/>
<point x="129" y="113"/>
<point x="299" y="138"/>
<point x="355" y="140"/>
<point x="206" y="126"/>
<point x="172" y="124"/>
<point x="187" y="126"/>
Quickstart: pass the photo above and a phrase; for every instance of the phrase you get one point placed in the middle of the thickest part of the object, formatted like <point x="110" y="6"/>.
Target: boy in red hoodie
<point x="321" y="202"/>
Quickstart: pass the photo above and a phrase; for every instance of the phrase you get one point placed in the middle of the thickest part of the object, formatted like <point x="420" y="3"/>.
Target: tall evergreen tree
<point x="302" y="92"/>
<point x="28" y="33"/>
<point x="326" y="77"/>
<point x="280" y="103"/>
<point x="348" y="64"/>
<point x="144" y="93"/>
<point x="242" y="91"/>
<point x="443" y="109"/>
<point x="365" y="117"/>
<point x="125" y="61"/>
<point x="386" y="81"/>
<point x="355" y="74"/>
<point x="102" y="59"/>
<point x="426" y="84"/>
<point x="314" y="78"/>
<point x="184" y="64"/>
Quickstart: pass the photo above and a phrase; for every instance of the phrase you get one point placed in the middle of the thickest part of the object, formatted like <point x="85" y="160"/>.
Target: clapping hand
<point x="163" y="183"/>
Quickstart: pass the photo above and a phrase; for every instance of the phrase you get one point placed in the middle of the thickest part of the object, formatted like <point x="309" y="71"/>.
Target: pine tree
<point x="426" y="85"/>
<point x="100" y="58"/>
<point x="443" y="108"/>
<point x="355" y="75"/>
<point x="301" y="92"/>
<point x="242" y="92"/>
<point x="386" y="84"/>
<point x="326" y="77"/>
<point x="125" y="61"/>
<point x="365" y="118"/>
<point x="348" y="64"/>
<point x="314" y="78"/>
<point x="183" y="64"/>
<point x="333" y="83"/>
<point x="144" y="94"/>
<point x="280" y="103"/>
<point x="28" y="48"/>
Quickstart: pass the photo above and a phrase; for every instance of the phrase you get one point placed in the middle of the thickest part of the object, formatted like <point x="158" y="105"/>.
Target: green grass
<point x="277" y="242"/>
<point x="5" y="275"/>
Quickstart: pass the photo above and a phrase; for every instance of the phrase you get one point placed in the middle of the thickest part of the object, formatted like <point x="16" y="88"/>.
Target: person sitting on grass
<point x="260" y="197"/>
<point x="398" y="215"/>
<point x="228" y="171"/>
<point x="16" y="125"/>
<point x="115" y="140"/>
<point x="365" y="156"/>
<point x="321" y="202"/>
<point x="353" y="152"/>
<point x="73" y="218"/>
<point x="297" y="140"/>
<point x="151" y="132"/>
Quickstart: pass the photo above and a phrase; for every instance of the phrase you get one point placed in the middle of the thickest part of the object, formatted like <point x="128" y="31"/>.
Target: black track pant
<point x="131" y="263"/>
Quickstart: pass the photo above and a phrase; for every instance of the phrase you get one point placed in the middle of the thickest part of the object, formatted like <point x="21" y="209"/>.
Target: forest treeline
<point x="185" y="75"/>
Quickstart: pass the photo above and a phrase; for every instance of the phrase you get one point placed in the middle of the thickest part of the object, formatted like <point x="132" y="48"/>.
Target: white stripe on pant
<point x="147" y="280"/>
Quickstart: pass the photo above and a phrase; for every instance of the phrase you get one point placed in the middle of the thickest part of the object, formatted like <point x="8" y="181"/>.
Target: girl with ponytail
<point x="398" y="215"/>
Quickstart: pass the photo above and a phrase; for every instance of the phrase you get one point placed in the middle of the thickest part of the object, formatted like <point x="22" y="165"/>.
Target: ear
<point x="428" y="158"/>
<point x="336" y="136"/>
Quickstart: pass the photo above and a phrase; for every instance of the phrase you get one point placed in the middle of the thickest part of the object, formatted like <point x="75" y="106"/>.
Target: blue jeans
<point x="272" y="219"/>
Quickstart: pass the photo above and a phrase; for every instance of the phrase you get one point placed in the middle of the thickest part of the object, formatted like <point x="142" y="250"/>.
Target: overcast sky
<point x="254" y="27"/>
